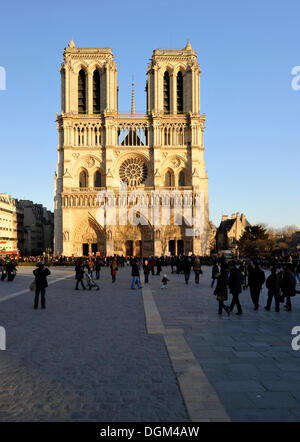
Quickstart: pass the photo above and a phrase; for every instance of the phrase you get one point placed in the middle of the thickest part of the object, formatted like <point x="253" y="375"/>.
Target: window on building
<point x="169" y="179"/>
<point x="97" y="179"/>
<point x="81" y="92"/>
<point x="181" y="178"/>
<point x="96" y="92"/>
<point x="179" y="92"/>
<point x="83" y="179"/>
<point x="166" y="92"/>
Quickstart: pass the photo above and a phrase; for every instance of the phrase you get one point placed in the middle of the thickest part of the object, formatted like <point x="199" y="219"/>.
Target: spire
<point x="132" y="99"/>
<point x="71" y="44"/>
<point x="188" y="46"/>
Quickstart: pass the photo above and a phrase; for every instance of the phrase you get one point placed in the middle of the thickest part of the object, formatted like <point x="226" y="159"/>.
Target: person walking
<point x="288" y="286"/>
<point x="152" y="264"/>
<point x="273" y="286"/>
<point x="158" y="266"/>
<point x="298" y="271"/>
<point x="146" y="269"/>
<point x="2" y="269"/>
<point x="221" y="292"/>
<point x="113" y="270"/>
<point x="41" y="283"/>
<point x="256" y="279"/>
<point x="172" y="262"/>
<point x="98" y="267"/>
<point x="215" y="273"/>
<point x="90" y="267"/>
<point x="235" y="285"/>
<point x="197" y="269"/>
<point x="135" y="273"/>
<point x="187" y="269"/>
<point x="10" y="270"/>
<point x="79" y="274"/>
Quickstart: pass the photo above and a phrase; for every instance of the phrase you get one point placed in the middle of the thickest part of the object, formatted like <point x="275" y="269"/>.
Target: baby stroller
<point x="90" y="282"/>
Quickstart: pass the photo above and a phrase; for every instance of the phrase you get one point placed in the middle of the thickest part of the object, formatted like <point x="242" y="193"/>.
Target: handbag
<point x="32" y="286"/>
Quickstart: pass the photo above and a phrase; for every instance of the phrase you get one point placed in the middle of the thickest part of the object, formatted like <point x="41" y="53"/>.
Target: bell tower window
<point x="81" y="92"/>
<point x="179" y="93"/>
<point x="96" y="92"/>
<point x="166" y="93"/>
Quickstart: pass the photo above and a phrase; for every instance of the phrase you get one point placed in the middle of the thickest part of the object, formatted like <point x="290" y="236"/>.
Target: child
<point x="165" y="282"/>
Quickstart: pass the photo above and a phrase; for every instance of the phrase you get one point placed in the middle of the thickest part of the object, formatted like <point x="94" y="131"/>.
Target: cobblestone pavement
<point x="88" y="356"/>
<point x="247" y="359"/>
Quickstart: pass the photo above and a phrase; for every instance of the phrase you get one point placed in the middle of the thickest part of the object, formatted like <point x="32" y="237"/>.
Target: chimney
<point x="233" y="216"/>
<point x="237" y="214"/>
<point x="224" y="217"/>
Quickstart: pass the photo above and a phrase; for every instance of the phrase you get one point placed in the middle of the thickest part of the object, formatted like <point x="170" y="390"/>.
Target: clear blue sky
<point x="246" y="52"/>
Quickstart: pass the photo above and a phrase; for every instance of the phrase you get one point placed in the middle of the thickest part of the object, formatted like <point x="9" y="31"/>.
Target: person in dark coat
<point x="256" y="279"/>
<point x="221" y="291"/>
<point x="79" y="274"/>
<point x="173" y="263"/>
<point x="235" y="285"/>
<point x="10" y="270"/>
<point x="41" y="283"/>
<point x="135" y="273"/>
<point x="187" y="269"/>
<point x="98" y="267"/>
<point x="152" y="264"/>
<point x="158" y="266"/>
<point x="288" y="286"/>
<point x="215" y="273"/>
<point x="273" y="286"/>
<point x="146" y="269"/>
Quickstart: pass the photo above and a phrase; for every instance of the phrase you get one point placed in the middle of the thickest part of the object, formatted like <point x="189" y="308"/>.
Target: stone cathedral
<point x="160" y="153"/>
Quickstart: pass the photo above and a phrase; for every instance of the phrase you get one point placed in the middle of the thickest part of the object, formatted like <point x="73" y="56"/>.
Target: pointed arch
<point x="97" y="178"/>
<point x="169" y="178"/>
<point x="83" y="179"/>
<point x="181" y="178"/>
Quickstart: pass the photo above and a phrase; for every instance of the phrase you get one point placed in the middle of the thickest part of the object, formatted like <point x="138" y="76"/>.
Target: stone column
<point x="67" y="89"/>
<point x="107" y="76"/>
<point x="173" y="93"/>
<point x="155" y="89"/>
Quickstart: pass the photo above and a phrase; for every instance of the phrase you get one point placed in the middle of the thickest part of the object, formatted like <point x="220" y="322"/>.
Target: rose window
<point x="133" y="171"/>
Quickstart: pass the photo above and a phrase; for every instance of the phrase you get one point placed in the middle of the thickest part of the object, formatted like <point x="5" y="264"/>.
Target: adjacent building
<point x="25" y="227"/>
<point x="230" y="230"/>
<point x="11" y="224"/>
<point x="38" y="225"/>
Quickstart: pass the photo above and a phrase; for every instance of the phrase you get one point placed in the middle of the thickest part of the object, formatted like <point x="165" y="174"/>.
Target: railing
<point x="87" y="197"/>
<point x="87" y="189"/>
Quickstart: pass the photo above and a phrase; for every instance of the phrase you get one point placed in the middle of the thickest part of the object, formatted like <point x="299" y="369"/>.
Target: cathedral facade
<point x="123" y="182"/>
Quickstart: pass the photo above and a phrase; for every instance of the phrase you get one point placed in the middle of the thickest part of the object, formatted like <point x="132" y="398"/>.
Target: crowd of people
<point x="8" y="269"/>
<point x="229" y="276"/>
<point x="85" y="268"/>
<point x="235" y="277"/>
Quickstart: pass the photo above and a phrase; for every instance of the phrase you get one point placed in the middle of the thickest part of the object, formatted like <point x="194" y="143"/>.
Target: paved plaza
<point x="143" y="355"/>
